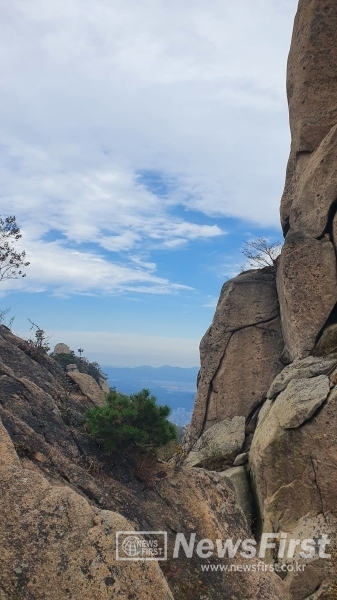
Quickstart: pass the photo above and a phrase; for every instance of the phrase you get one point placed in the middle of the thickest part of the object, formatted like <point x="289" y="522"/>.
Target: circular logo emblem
<point x="130" y="546"/>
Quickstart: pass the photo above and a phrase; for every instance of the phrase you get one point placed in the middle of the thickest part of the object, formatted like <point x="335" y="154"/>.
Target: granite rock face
<point x="293" y="462"/>
<point x="293" y="452"/>
<point x="307" y="279"/>
<point x="240" y="352"/>
<point x="55" y="545"/>
<point x="292" y="456"/>
<point x="307" y="288"/>
<point x="311" y="366"/>
<point x="312" y="92"/>
<point x="301" y="398"/>
<point x="317" y="190"/>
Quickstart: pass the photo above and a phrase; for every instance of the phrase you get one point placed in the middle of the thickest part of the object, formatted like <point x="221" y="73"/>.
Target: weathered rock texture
<point x="298" y="402"/>
<point x="88" y="386"/>
<point x="55" y="545"/>
<point x="240" y="352"/>
<point x="222" y="442"/>
<point x="293" y="457"/>
<point x="62" y="500"/>
<point x="293" y="461"/>
<point x="312" y="92"/>
<point x="317" y="190"/>
<point x="307" y="276"/>
<point x="301" y="369"/>
<point x="307" y="287"/>
<point x="239" y="477"/>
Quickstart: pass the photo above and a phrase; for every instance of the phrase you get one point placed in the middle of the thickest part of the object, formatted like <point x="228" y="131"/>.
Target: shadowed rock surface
<point x="307" y="289"/>
<point x="55" y="545"/>
<point x="240" y="479"/>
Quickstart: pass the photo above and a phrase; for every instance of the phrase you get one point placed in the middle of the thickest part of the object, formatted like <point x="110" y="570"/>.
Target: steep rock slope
<point x="55" y="545"/>
<point x="62" y="502"/>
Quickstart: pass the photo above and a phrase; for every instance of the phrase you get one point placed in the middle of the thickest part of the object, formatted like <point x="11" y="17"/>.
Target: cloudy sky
<point x="142" y="142"/>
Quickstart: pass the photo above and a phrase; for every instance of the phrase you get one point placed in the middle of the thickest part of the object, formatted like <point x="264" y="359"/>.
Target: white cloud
<point x="93" y="93"/>
<point x="65" y="271"/>
<point x="109" y="206"/>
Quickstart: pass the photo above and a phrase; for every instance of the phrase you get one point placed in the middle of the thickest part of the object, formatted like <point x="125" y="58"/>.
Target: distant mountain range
<point x="175" y="386"/>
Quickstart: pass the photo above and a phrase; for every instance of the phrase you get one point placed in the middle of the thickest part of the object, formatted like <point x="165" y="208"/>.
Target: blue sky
<point x="142" y="143"/>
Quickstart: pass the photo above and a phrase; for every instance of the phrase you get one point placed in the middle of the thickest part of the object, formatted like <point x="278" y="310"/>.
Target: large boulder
<point x="240" y="352"/>
<point x="301" y="369"/>
<point x="301" y="398"/>
<point x="293" y="462"/>
<point x="307" y="289"/>
<point x="88" y="386"/>
<point x="221" y="443"/>
<point x="62" y="349"/>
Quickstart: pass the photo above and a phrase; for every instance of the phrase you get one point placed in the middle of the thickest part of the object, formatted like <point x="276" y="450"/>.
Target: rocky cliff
<point x="240" y="352"/>
<point x="261" y="452"/>
<point x="307" y="280"/>
<point x="270" y="355"/>
<point x="62" y="501"/>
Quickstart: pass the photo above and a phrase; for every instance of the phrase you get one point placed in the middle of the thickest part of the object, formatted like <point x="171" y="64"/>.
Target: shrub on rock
<point x="130" y="420"/>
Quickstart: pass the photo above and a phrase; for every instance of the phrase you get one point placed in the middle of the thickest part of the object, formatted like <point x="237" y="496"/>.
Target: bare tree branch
<point x="261" y="253"/>
<point x="11" y="262"/>
<point x="41" y="341"/>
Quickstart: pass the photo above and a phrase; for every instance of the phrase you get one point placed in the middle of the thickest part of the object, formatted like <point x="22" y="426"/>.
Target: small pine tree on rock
<point x="125" y="421"/>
